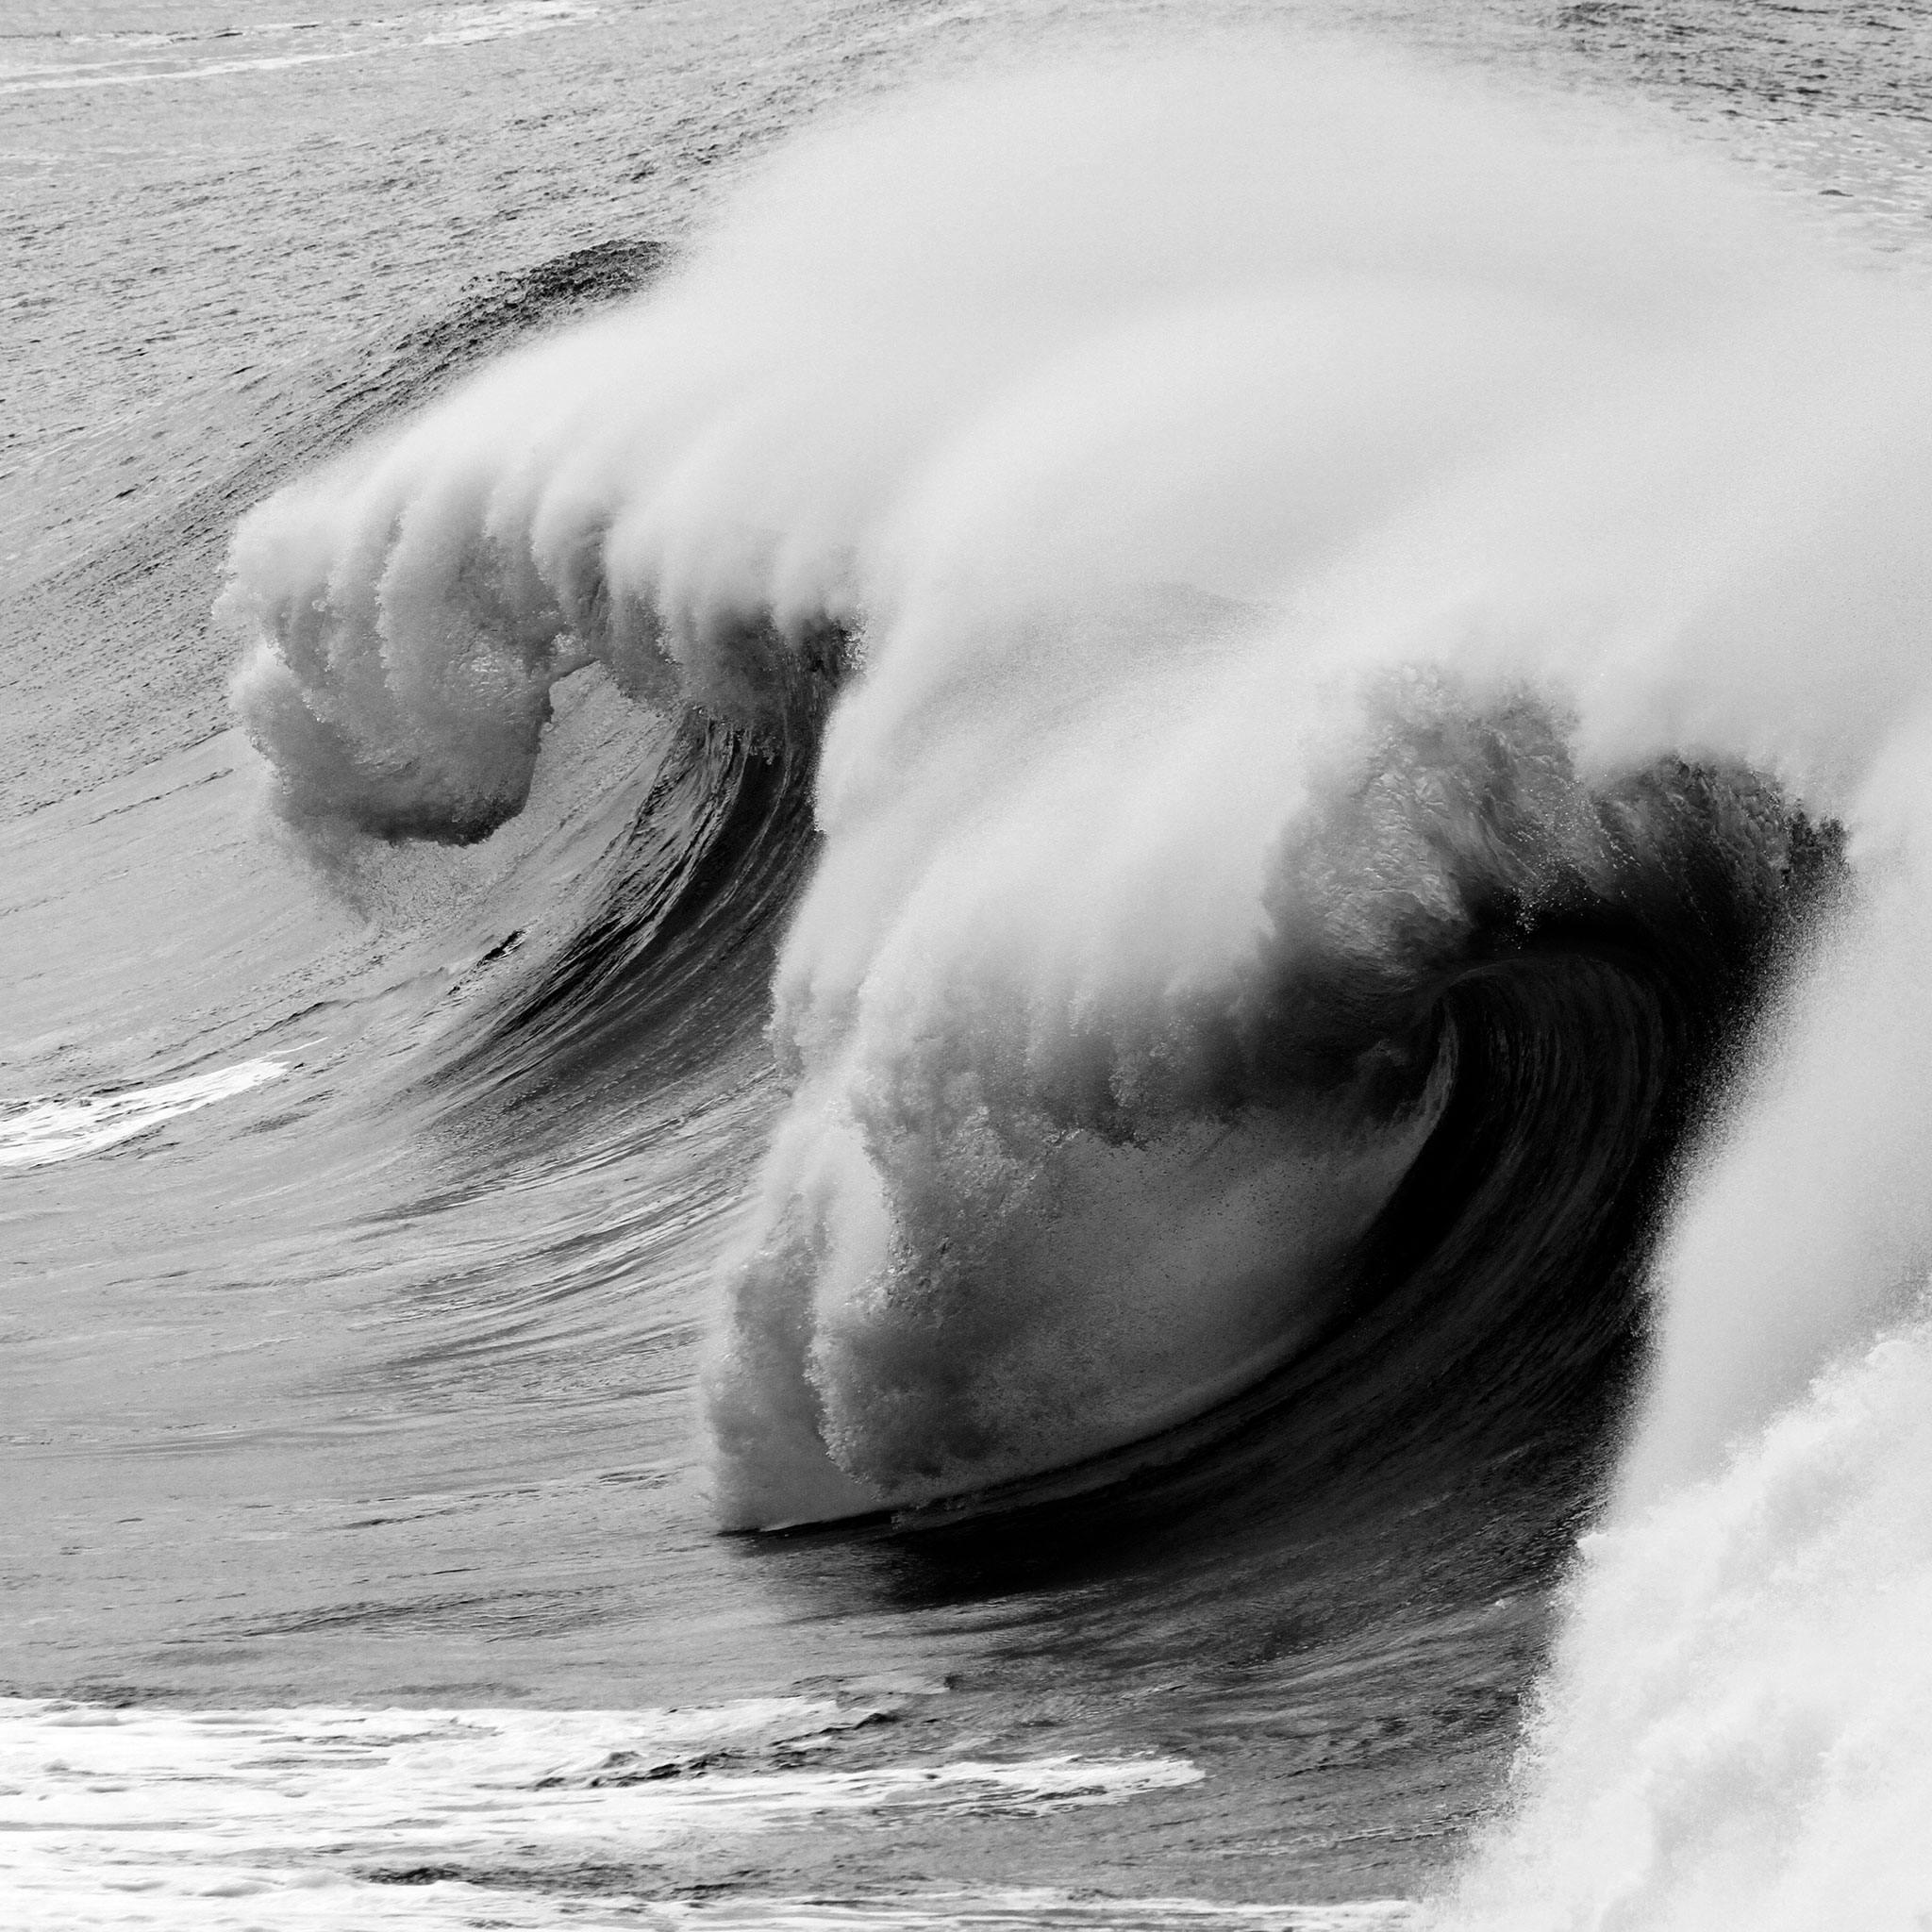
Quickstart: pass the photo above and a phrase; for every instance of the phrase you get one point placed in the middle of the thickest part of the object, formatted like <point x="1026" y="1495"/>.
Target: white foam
<point x="35" y="1132"/>
<point x="1737" y="1735"/>
<point x="232" y="1819"/>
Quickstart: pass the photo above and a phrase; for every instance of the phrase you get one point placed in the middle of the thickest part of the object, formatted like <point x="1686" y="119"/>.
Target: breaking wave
<point x="1302" y="655"/>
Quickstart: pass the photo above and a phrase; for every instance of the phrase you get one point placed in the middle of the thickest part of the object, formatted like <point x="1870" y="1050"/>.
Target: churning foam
<point x="312" y="1816"/>
<point x="1734" y="1736"/>
<point x="1140" y="442"/>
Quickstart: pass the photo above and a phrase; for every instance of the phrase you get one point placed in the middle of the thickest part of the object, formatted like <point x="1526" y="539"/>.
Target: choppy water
<point x="1134" y="834"/>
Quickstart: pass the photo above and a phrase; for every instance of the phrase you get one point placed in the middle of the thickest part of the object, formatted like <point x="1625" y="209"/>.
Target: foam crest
<point x="1054" y="356"/>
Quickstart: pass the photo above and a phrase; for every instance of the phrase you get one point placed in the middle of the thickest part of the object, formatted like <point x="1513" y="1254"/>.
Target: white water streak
<point x="34" y="1133"/>
<point x="459" y="26"/>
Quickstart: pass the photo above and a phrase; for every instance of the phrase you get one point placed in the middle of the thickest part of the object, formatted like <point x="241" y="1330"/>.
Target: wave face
<point x="1334" y="629"/>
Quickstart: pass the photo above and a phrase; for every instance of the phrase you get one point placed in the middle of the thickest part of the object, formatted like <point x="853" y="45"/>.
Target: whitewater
<point x="972" y="970"/>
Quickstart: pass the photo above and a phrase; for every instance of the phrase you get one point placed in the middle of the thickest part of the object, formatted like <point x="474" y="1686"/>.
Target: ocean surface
<point x="963" y="964"/>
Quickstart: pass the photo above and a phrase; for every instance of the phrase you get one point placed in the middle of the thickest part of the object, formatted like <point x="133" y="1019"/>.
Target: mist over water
<point x="1291" y="690"/>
